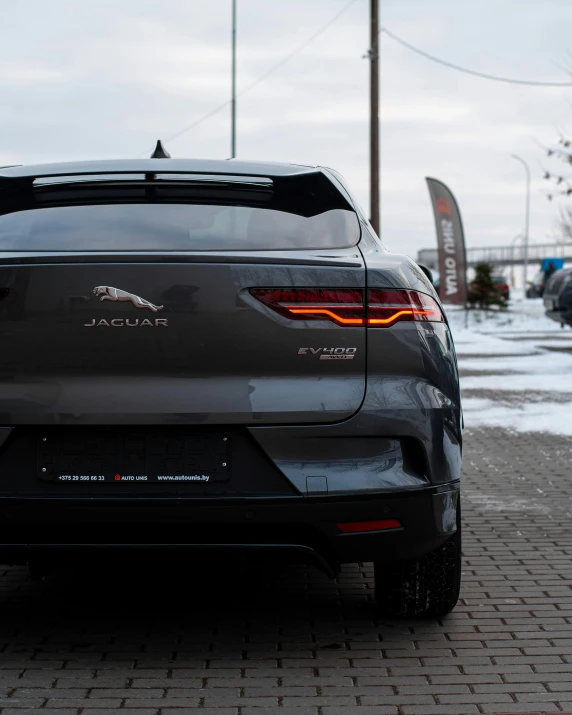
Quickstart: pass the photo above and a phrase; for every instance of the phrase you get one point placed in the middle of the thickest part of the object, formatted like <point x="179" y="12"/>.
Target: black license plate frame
<point x="95" y="457"/>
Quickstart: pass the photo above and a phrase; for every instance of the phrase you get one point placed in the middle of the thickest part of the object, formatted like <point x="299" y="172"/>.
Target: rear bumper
<point x="305" y="524"/>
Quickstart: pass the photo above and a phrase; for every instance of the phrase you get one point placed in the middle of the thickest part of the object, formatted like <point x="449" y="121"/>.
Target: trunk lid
<point x="197" y="349"/>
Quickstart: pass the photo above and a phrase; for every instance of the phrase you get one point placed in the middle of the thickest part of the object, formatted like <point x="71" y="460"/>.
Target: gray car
<point x="219" y="355"/>
<point x="557" y="297"/>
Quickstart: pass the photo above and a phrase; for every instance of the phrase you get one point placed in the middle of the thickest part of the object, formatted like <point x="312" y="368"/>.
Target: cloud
<point x="19" y="74"/>
<point x="80" y="80"/>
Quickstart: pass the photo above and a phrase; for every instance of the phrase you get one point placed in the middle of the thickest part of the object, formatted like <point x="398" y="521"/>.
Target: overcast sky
<point x="105" y="79"/>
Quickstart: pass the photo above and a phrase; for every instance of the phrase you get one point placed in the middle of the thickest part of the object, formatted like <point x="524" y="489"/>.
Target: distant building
<point x="428" y="257"/>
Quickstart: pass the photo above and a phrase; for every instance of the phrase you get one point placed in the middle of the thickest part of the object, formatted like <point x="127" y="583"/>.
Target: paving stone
<point x="193" y="711"/>
<point x="288" y="638"/>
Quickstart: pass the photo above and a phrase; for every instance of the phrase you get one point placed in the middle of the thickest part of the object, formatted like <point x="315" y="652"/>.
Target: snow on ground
<point x="475" y="343"/>
<point x="516" y="368"/>
<point x="543" y="362"/>
<point x="520" y="383"/>
<point x="528" y="417"/>
<point x="524" y="316"/>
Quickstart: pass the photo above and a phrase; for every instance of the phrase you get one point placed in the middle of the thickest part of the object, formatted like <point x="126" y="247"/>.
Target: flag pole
<point x="233" y="86"/>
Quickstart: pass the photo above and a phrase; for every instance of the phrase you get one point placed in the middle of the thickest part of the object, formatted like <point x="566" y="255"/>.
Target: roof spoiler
<point x="307" y="192"/>
<point x="156" y="165"/>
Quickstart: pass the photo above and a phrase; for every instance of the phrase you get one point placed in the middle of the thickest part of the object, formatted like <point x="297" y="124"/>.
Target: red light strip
<point x="354" y="527"/>
<point x="358" y="321"/>
<point x="395" y="316"/>
<point x="326" y="305"/>
<point x="329" y="313"/>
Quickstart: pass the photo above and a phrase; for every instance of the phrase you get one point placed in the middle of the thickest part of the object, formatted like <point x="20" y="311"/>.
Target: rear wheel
<point x="426" y="587"/>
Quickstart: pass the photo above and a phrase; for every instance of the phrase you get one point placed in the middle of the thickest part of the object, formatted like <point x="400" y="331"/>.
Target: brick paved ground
<point x="259" y="637"/>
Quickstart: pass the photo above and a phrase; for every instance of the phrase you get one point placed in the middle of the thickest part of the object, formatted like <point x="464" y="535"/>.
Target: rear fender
<point x="408" y="431"/>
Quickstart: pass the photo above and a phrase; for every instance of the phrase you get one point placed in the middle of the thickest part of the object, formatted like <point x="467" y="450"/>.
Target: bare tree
<point x="565" y="223"/>
<point x="560" y="179"/>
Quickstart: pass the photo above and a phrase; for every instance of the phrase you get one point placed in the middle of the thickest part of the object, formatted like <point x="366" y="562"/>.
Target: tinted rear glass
<point x="174" y="227"/>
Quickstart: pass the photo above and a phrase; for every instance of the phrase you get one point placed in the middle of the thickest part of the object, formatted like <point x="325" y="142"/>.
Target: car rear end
<point x="217" y="355"/>
<point x="557" y="297"/>
<point x="502" y="286"/>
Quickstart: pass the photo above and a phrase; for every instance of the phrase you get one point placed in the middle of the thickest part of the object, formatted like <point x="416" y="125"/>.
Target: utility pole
<point x="374" y="116"/>
<point x="233" y="89"/>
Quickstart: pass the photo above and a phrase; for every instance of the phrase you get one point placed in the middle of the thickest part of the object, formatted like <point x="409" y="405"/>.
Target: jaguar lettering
<point x="128" y="323"/>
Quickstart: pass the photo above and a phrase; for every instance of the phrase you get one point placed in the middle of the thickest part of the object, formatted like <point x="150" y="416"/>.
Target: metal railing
<point x="510" y="255"/>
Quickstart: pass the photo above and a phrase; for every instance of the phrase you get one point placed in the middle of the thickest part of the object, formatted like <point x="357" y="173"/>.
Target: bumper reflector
<point x="354" y="527"/>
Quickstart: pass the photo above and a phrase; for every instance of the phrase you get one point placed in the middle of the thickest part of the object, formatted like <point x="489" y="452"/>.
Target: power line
<point x="495" y="78"/>
<point x="262" y="77"/>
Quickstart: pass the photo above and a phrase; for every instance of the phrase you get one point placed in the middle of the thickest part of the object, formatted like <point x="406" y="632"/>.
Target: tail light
<point x="4" y="293"/>
<point x="341" y="306"/>
<point x="386" y="307"/>
<point x="345" y="306"/>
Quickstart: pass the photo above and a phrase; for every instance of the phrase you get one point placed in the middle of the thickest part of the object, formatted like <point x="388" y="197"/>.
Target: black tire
<point x="426" y="587"/>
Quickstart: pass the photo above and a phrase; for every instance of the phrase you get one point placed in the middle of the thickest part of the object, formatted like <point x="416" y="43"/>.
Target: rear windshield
<point x="174" y="227"/>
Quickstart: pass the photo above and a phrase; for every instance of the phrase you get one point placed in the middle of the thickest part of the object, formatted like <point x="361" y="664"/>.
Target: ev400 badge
<point x="330" y="353"/>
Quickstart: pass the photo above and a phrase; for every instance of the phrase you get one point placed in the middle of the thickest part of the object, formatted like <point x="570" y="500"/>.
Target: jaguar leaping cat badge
<point x="122" y="296"/>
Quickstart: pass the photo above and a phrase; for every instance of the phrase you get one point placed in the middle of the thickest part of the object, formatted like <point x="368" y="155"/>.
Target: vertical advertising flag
<point x="451" y="244"/>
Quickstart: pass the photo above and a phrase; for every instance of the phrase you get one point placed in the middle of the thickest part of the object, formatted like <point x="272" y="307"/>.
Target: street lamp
<point x="526" y="218"/>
